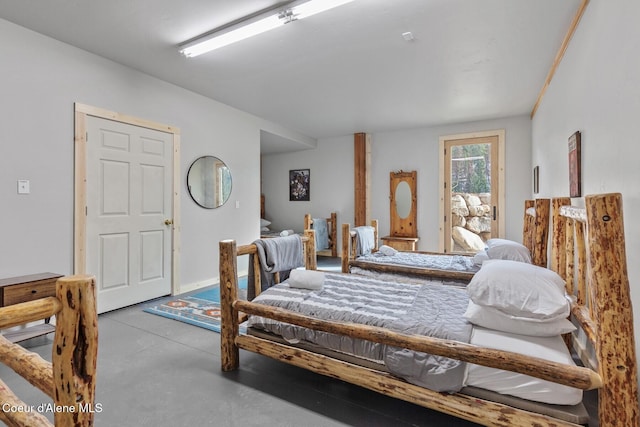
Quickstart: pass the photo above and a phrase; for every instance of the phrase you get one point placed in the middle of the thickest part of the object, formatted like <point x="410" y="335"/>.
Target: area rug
<point x="201" y="309"/>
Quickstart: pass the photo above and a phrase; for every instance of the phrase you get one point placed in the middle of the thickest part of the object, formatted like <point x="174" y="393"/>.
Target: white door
<point x="129" y="177"/>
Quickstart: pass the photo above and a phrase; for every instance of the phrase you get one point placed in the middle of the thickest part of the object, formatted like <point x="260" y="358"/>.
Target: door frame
<point x="81" y="112"/>
<point x="500" y="133"/>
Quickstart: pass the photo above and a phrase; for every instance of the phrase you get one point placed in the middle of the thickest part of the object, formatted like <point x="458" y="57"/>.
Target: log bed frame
<point x="332" y="229"/>
<point x="602" y="310"/>
<point x="535" y="236"/>
<point x="69" y="379"/>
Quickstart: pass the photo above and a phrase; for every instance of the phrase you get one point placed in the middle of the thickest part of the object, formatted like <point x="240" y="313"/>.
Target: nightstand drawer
<point x="29" y="291"/>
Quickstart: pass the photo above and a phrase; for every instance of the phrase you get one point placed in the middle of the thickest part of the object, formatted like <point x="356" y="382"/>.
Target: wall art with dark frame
<point x="299" y="185"/>
<point x="575" y="179"/>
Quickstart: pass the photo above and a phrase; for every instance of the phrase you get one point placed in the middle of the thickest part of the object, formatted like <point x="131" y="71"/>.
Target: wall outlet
<point x="23" y="186"/>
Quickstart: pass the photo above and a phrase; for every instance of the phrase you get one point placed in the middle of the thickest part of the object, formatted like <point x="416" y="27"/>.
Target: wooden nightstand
<point x="15" y="290"/>
<point x="401" y="243"/>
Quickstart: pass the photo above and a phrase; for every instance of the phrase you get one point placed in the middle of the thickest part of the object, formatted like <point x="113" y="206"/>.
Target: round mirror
<point x="403" y="199"/>
<point x="209" y="182"/>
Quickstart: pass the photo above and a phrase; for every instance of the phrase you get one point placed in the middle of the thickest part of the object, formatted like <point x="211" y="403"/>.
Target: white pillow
<point x="492" y="318"/>
<point x="387" y="250"/>
<point x="306" y="279"/>
<point x="264" y="223"/>
<point x="264" y="229"/>
<point x="507" y="249"/>
<point x="519" y="289"/>
<point x="480" y="257"/>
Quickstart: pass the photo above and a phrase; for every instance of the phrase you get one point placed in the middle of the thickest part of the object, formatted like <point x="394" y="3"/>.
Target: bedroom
<point x="595" y="90"/>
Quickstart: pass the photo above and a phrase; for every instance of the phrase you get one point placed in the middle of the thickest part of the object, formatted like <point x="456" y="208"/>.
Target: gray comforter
<point x="431" y="309"/>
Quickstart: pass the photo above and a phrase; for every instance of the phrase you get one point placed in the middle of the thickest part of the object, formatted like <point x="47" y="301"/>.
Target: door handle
<point x="168" y="221"/>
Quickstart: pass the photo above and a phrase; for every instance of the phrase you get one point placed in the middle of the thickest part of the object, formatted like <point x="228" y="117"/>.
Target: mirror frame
<point x="201" y="199"/>
<point x="407" y="226"/>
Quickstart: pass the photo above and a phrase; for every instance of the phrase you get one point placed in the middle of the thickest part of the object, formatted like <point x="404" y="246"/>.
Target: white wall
<point x="596" y="90"/>
<point x="331" y="167"/>
<point x="40" y="79"/>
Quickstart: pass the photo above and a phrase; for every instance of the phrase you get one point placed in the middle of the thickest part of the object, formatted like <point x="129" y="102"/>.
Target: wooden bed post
<point x="558" y="224"/>
<point x="374" y="224"/>
<point x="334" y="234"/>
<point x="75" y="351"/>
<point x="229" y="328"/>
<point x="346" y="239"/>
<point x="541" y="234"/>
<point x="527" y="227"/>
<point x="311" y="261"/>
<point x="307" y="222"/>
<point x="618" y="398"/>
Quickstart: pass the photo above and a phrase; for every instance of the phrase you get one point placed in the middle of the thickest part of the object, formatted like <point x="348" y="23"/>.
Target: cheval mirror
<point x="403" y="234"/>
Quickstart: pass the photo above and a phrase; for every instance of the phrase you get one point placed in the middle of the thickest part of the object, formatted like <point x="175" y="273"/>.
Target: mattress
<point x="401" y="296"/>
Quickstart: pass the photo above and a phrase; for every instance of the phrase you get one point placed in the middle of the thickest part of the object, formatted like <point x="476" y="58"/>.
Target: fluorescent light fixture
<point x="257" y="25"/>
<point x="310" y="8"/>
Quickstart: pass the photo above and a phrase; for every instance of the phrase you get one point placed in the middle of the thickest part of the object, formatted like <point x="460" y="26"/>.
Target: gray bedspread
<point x="416" y="259"/>
<point x="429" y="309"/>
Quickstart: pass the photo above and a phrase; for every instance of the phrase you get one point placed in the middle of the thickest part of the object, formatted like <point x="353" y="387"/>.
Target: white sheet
<point x="519" y="385"/>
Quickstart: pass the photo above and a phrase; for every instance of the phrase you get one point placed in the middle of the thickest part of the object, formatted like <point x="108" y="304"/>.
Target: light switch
<point x="237" y="204"/>
<point x="23" y="186"/>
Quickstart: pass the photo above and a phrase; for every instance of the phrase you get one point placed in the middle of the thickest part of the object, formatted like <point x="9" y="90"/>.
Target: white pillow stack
<point x="264" y="224"/>
<point x="517" y="297"/>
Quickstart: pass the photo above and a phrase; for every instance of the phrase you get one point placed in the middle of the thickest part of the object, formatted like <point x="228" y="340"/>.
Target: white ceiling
<point x="343" y="71"/>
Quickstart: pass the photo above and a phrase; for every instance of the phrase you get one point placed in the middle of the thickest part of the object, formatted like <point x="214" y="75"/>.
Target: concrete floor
<point x="154" y="371"/>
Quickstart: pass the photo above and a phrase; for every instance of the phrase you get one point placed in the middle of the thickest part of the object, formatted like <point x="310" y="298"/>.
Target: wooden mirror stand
<point x="403" y="234"/>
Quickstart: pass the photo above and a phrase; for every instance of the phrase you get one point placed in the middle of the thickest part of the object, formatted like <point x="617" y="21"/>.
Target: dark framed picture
<point x="299" y="184"/>
<point x="536" y="179"/>
<point x="575" y="180"/>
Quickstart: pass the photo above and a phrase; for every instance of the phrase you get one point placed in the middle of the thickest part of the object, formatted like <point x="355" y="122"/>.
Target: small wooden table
<point x="401" y="243"/>
<point x="15" y="290"/>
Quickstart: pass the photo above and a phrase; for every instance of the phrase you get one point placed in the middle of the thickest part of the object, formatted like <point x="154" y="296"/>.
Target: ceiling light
<point x="257" y="24"/>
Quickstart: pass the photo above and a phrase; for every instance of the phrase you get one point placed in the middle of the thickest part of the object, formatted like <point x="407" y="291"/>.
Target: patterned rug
<point x="201" y="309"/>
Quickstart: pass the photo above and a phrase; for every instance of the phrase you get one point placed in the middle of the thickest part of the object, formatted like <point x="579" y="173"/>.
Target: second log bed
<point x="324" y="247"/>
<point x="601" y="310"/>
<point x="459" y="267"/>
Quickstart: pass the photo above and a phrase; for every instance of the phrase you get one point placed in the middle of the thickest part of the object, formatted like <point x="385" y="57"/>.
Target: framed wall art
<point x="299" y="185"/>
<point x="575" y="179"/>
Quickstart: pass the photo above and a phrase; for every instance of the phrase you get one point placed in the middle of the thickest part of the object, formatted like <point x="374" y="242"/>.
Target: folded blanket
<point x="277" y="255"/>
<point x="306" y="279"/>
<point x="322" y="235"/>
<point x="365" y="240"/>
<point x="387" y="250"/>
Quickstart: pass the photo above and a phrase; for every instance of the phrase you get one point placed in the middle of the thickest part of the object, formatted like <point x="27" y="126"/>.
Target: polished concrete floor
<point x="154" y="371"/>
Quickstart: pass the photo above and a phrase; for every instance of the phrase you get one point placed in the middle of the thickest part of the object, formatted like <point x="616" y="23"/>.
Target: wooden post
<point x="527" y="227"/>
<point x="75" y="351"/>
<point x="346" y="239"/>
<point x="362" y="160"/>
<point x="311" y="261"/>
<point x="541" y="234"/>
<point x="229" y="328"/>
<point x="374" y="224"/>
<point x="307" y="222"/>
<point x="618" y="398"/>
<point x="333" y="236"/>
<point x="558" y="234"/>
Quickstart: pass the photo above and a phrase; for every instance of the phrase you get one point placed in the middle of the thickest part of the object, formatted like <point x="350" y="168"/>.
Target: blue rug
<point x="201" y="309"/>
